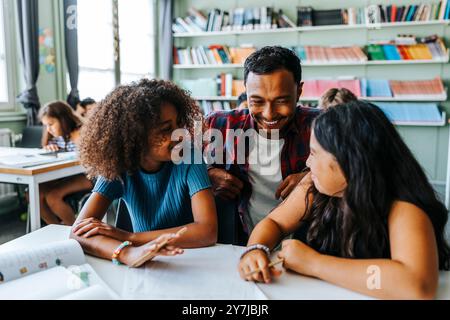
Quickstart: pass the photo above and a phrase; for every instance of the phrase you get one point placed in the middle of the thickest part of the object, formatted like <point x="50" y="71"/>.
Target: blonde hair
<point x="336" y="96"/>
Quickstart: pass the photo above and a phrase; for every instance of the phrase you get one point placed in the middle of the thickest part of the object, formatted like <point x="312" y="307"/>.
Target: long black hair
<point x="379" y="169"/>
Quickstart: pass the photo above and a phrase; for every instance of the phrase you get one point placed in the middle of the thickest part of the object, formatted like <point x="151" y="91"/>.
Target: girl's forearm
<point x="267" y="232"/>
<point x="379" y="278"/>
<point x="99" y="245"/>
<point x="197" y="235"/>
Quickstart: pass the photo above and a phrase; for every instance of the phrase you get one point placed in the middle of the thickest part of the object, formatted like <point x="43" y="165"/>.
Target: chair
<point x="123" y="219"/>
<point x="229" y="225"/>
<point x="31" y="137"/>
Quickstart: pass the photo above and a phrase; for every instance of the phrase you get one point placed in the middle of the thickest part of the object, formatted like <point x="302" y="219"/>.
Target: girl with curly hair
<point x="62" y="133"/>
<point x="127" y="145"/>
<point x="365" y="217"/>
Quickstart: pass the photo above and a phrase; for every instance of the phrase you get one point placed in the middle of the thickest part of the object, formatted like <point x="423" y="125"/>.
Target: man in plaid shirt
<point x="260" y="181"/>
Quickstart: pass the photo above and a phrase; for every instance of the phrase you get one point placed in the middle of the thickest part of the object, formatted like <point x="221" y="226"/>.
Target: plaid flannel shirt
<point x="294" y="154"/>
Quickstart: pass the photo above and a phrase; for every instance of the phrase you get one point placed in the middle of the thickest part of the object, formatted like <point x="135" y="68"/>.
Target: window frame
<point x="117" y="70"/>
<point x="10" y="53"/>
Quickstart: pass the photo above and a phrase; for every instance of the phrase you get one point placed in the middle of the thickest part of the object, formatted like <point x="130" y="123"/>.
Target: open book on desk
<point x="52" y="271"/>
<point x="24" y="158"/>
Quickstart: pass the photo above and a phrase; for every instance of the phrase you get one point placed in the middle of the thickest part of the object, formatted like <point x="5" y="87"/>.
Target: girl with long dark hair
<point x="365" y="209"/>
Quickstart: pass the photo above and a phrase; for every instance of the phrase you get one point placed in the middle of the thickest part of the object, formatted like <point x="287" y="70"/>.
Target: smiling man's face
<point x="272" y="98"/>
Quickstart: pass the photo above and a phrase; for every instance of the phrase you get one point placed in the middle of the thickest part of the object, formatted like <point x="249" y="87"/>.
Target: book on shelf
<point x="55" y="271"/>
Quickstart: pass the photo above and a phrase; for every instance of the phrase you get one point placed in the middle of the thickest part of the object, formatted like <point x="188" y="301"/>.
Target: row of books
<point x="213" y="54"/>
<point x="398" y="112"/>
<point x="223" y="85"/>
<point x="407" y="47"/>
<point x="207" y="106"/>
<point x="236" y="19"/>
<point x="412" y="113"/>
<point x="307" y="16"/>
<point x="379" y="88"/>
<point x="257" y="18"/>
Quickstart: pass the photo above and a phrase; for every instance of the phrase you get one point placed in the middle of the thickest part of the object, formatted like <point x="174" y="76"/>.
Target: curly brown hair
<point x="115" y="137"/>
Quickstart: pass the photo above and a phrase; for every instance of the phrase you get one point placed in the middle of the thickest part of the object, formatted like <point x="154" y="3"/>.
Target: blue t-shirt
<point x="158" y="200"/>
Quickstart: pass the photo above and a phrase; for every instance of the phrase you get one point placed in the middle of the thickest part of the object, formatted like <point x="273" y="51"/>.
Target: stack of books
<point x="211" y="55"/>
<point x="256" y="18"/>
<point x="319" y="54"/>
<point x="409" y="48"/>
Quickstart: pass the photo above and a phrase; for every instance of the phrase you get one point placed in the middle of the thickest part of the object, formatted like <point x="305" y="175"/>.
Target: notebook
<point x="24" y="158"/>
<point x="50" y="272"/>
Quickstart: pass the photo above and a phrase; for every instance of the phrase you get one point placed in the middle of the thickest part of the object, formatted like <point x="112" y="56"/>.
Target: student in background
<point x="242" y="101"/>
<point x="62" y="133"/>
<point x="336" y="96"/>
<point x="127" y="144"/>
<point x="365" y="207"/>
<point x="85" y="107"/>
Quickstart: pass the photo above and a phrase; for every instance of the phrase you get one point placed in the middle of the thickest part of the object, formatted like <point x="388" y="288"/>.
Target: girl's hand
<point x="298" y="257"/>
<point x="91" y="227"/>
<point x="131" y="254"/>
<point x="51" y="147"/>
<point x="257" y="259"/>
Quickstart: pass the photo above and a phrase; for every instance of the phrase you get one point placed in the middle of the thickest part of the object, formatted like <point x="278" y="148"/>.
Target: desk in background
<point x="33" y="176"/>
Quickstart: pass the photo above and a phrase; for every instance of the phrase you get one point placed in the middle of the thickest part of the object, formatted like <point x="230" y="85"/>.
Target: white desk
<point x="35" y="175"/>
<point x="288" y="286"/>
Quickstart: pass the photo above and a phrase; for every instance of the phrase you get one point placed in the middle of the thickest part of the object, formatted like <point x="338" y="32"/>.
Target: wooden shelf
<point x="309" y="29"/>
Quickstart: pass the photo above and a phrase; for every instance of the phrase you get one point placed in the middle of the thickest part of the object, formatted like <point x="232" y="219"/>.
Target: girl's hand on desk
<point x="131" y="254"/>
<point x="51" y="147"/>
<point x="91" y="227"/>
<point x="298" y="257"/>
<point x="253" y="260"/>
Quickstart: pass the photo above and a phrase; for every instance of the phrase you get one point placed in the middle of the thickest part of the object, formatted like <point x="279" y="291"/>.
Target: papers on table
<point x="24" y="158"/>
<point x="198" y="274"/>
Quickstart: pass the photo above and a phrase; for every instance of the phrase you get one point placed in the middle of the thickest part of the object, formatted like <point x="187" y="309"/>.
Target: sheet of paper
<point x="206" y="274"/>
<point x="23" y="157"/>
<point x="75" y="282"/>
<point x="19" y="264"/>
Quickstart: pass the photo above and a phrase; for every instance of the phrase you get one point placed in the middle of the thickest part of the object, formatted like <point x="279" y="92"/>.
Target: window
<point x="96" y="44"/>
<point x="3" y="71"/>
<point x="95" y="48"/>
<point x="137" y="40"/>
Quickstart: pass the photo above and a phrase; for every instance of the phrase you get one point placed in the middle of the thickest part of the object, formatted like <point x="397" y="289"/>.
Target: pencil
<point x="273" y="263"/>
<point x="153" y="253"/>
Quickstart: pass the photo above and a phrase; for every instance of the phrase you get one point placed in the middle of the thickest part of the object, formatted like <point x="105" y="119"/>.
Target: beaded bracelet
<point x="119" y="249"/>
<point x="256" y="247"/>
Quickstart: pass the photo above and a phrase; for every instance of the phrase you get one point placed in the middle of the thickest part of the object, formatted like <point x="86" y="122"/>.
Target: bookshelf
<point x="429" y="142"/>
<point x="311" y="29"/>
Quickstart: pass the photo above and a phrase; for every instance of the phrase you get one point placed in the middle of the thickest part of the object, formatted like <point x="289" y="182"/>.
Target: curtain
<point x="165" y="52"/>
<point x="28" y="27"/>
<point x="71" y="47"/>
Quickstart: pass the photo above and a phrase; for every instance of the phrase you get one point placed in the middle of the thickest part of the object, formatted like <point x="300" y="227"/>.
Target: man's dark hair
<point x="242" y="98"/>
<point x="272" y="58"/>
<point x="85" y="102"/>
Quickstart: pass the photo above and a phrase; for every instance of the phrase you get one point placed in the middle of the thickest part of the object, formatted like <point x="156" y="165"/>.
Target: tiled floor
<point x="11" y="227"/>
